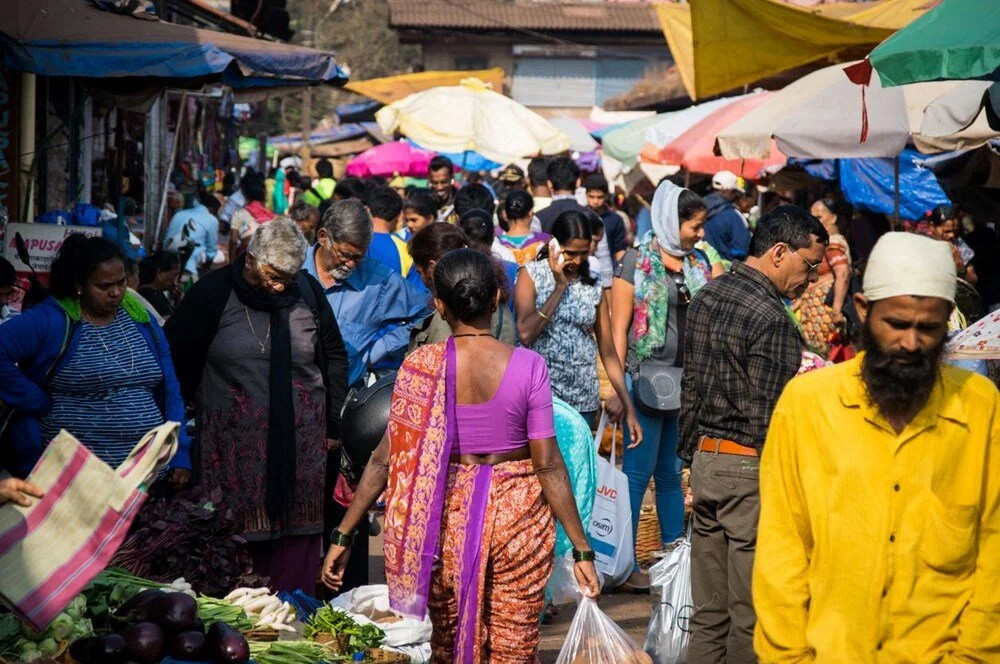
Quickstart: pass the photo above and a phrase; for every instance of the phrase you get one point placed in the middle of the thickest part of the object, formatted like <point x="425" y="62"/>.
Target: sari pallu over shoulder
<point x="423" y="431"/>
<point x="420" y="447"/>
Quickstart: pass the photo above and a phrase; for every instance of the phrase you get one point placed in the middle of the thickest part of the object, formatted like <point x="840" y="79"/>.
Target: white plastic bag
<point x="610" y="527"/>
<point x="371" y="603"/>
<point x="594" y="638"/>
<point x="667" y="639"/>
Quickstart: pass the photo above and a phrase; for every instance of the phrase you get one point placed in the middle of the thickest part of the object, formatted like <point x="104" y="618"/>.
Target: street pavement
<point x="631" y="612"/>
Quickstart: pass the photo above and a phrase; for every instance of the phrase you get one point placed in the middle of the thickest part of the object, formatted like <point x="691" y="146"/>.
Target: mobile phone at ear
<point x="556" y="249"/>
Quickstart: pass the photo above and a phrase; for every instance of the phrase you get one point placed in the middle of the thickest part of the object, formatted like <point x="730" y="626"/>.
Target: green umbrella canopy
<point x="957" y="39"/>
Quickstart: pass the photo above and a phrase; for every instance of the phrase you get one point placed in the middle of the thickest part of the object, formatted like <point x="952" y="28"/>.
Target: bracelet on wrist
<point x="544" y="317"/>
<point x="583" y="556"/>
<point x="339" y="538"/>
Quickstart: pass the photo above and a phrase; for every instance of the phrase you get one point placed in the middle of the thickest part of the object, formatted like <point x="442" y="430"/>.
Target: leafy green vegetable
<point x="336" y="621"/>
<point x="294" y="652"/>
<point x="219" y="610"/>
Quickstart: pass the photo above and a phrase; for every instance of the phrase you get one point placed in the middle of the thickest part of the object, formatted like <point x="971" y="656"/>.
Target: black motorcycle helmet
<point x="364" y="421"/>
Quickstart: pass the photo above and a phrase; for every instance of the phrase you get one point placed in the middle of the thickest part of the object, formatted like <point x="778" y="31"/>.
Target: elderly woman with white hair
<point x="260" y="356"/>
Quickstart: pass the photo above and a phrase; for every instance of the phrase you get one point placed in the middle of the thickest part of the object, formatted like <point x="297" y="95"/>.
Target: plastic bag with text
<point x="667" y="639"/>
<point x="595" y="639"/>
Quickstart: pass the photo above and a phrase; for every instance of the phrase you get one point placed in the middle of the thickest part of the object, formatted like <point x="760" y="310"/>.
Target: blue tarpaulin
<point x="467" y="161"/>
<point x="76" y="38"/>
<point x="869" y="183"/>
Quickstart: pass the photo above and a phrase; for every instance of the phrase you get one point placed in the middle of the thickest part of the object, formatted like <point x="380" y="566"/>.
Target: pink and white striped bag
<point x="51" y="550"/>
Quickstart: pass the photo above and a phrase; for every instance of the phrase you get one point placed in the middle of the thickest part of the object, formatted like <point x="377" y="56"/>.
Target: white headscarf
<point x="910" y="264"/>
<point x="667" y="220"/>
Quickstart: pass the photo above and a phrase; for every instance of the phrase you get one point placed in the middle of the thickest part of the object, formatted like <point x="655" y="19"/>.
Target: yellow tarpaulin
<point x="720" y="45"/>
<point x="391" y="88"/>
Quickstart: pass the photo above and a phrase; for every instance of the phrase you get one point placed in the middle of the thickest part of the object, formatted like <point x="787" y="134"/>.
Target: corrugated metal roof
<point x="524" y="15"/>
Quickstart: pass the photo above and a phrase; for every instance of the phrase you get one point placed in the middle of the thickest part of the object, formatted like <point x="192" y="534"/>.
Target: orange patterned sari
<point x="473" y="545"/>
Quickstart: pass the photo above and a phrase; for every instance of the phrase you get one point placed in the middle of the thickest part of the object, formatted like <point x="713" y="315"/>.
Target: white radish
<point x="284" y="628"/>
<point x="260" y="603"/>
<point x="237" y="594"/>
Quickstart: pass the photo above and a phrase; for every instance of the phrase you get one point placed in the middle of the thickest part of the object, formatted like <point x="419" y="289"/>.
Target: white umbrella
<point x="472" y="117"/>
<point x="579" y="138"/>
<point x="823" y="115"/>
<point x="676" y="123"/>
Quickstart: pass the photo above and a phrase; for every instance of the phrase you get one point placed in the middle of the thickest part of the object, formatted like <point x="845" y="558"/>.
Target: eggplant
<point x="113" y="650"/>
<point x="86" y="651"/>
<point x="197" y="626"/>
<point x="137" y="608"/>
<point x="145" y="642"/>
<point x="174" y="612"/>
<point x="188" y="646"/>
<point x="225" y="645"/>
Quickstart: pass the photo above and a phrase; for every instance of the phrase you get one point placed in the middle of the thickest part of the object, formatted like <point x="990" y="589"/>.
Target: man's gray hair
<point x="279" y="244"/>
<point x="349" y="221"/>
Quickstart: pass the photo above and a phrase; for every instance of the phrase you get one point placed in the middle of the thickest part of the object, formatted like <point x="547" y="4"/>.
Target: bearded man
<point x="879" y="532"/>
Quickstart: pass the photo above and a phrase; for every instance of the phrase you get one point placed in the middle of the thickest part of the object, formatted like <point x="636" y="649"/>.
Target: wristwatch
<point x="339" y="538"/>
<point x="583" y="556"/>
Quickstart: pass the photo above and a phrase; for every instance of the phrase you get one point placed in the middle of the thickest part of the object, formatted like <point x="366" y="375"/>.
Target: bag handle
<point x="150" y="455"/>
<point x="599" y="436"/>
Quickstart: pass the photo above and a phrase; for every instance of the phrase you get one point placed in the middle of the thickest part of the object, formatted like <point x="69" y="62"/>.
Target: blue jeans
<point x="656" y="457"/>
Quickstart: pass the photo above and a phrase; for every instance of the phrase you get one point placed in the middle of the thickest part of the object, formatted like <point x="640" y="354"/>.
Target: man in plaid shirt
<point x="741" y="347"/>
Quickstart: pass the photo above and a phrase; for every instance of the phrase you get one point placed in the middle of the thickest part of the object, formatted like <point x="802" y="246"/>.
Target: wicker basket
<point x="386" y="656"/>
<point x="339" y="642"/>
<point x="262" y="634"/>
<point x="647" y="539"/>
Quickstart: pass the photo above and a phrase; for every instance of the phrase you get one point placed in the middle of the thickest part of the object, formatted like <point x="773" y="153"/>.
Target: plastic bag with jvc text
<point x="595" y="639"/>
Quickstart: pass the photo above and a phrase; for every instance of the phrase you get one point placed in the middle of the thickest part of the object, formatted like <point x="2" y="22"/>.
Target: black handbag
<point x="657" y="383"/>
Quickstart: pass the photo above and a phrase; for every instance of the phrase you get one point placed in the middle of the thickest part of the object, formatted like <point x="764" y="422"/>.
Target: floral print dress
<point x="567" y="343"/>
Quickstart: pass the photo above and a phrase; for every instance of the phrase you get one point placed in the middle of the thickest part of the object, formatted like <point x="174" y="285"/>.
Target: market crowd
<point x="844" y="499"/>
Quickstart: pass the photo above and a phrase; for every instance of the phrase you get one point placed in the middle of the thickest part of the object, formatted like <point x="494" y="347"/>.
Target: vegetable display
<point x="329" y="620"/>
<point x="294" y="652"/>
<point x="269" y="611"/>
<point x="157" y="622"/>
<point x="20" y="642"/>
<point x="194" y="535"/>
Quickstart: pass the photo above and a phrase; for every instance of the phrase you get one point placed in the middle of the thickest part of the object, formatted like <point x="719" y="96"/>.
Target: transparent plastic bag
<point x="563" y="587"/>
<point x="595" y="639"/>
<point x="667" y="638"/>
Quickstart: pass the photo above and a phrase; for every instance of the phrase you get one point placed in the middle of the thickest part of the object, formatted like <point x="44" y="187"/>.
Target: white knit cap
<point x="725" y="181"/>
<point x="910" y="264"/>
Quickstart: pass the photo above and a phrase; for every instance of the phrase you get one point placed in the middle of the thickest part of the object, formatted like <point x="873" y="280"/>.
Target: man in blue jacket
<point x="726" y="229"/>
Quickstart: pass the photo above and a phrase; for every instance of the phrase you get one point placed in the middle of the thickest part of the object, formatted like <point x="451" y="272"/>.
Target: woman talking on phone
<point x="561" y="308"/>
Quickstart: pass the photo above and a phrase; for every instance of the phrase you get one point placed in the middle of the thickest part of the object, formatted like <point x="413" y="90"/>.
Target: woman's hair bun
<point x="466" y="281"/>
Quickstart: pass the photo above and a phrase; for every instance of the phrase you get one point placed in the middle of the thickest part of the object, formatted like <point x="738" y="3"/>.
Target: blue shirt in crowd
<point x="202" y="230"/>
<point x="375" y="311"/>
<point x="726" y="229"/>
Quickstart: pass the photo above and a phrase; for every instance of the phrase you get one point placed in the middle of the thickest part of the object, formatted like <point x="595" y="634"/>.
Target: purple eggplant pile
<point x="155" y="624"/>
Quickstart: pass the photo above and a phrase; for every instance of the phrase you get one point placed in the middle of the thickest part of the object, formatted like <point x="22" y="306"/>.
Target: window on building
<point x="471" y="62"/>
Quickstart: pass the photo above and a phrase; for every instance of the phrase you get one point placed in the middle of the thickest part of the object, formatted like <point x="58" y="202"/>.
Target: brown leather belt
<point x="723" y="446"/>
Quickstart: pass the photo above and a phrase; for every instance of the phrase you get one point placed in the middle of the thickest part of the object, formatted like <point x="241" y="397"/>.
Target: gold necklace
<point x="262" y="344"/>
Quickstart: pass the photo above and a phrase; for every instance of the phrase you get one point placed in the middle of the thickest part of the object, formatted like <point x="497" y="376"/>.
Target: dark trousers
<point x="356" y="573"/>
<point x="723" y="540"/>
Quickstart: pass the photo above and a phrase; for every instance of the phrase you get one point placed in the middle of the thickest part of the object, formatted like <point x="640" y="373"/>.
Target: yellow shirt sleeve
<point x="784" y="545"/>
<point x="979" y="626"/>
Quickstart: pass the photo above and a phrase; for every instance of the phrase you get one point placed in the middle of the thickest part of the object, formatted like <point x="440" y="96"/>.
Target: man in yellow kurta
<point x="879" y="532"/>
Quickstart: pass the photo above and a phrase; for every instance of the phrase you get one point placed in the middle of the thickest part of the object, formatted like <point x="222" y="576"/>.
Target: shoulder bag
<point x="657" y="383"/>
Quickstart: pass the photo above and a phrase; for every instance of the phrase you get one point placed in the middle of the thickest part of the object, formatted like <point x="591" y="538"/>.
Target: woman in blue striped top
<point x="91" y="360"/>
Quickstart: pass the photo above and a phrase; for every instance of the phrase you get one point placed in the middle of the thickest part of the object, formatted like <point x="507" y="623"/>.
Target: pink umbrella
<point x="695" y="148"/>
<point x="390" y="159"/>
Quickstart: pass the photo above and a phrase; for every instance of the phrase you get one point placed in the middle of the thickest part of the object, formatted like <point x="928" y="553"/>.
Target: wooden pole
<point x="170" y="164"/>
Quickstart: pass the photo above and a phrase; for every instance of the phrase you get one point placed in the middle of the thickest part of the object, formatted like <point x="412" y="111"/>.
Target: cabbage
<point x="48" y="646"/>
<point x="62" y="627"/>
